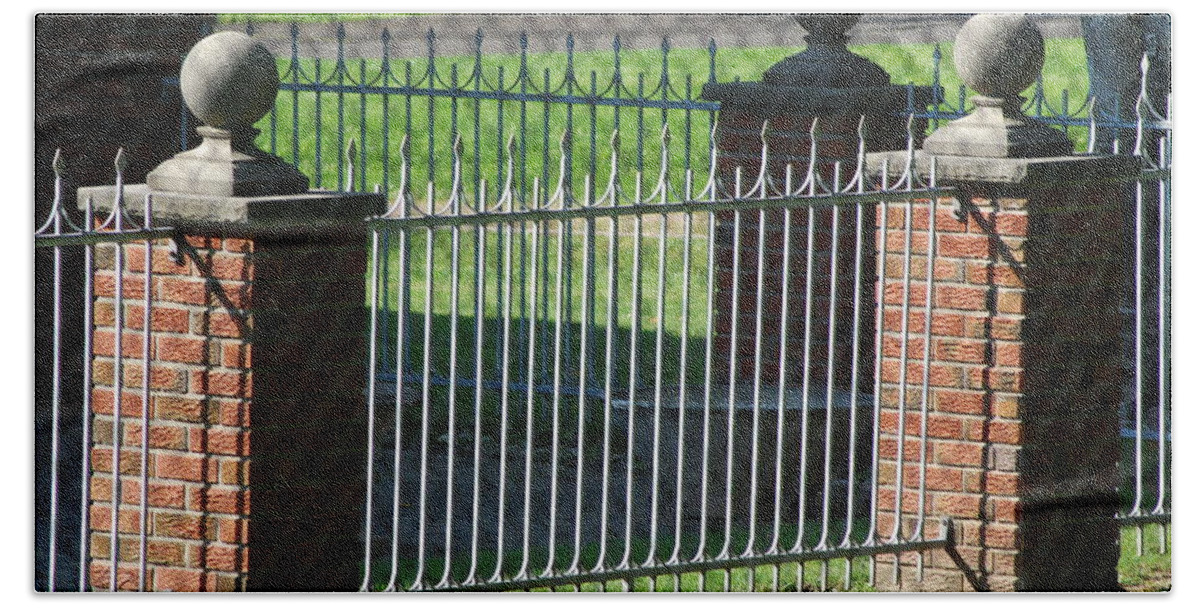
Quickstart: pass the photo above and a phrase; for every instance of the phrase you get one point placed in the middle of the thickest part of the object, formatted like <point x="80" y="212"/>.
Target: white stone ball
<point x="229" y="80"/>
<point x="999" y="55"/>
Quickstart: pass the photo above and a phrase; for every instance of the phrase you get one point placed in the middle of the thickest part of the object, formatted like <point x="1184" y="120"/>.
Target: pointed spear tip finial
<point x="58" y="164"/>
<point x="122" y="159"/>
<point x="512" y="138"/>
<point x="352" y="149"/>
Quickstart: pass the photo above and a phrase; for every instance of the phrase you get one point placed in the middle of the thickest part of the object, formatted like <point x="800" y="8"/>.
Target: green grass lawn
<point x="1150" y="571"/>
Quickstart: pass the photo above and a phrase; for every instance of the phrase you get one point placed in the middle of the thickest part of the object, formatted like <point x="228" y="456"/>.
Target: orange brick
<point x="1004" y="432"/>
<point x="960" y="298"/>
<point x="182" y="349"/>
<point x="233" y="530"/>
<point x="161" y="318"/>
<point x="964" y="454"/>
<point x="229" y="384"/>
<point x="957" y="505"/>
<point x="962" y="351"/>
<point x="180" y="525"/>
<point x="996" y="482"/>
<point x="224" y="325"/>
<point x="182" y="290"/>
<point x="182" y="409"/>
<point x="177" y="579"/>
<point x="224" y="558"/>
<point x="185" y="467"/>
<point x="235" y="501"/>
<point x="964" y="246"/>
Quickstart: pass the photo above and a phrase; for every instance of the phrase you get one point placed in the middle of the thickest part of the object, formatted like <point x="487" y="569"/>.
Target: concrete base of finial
<point x="224" y="166"/>
<point x="997" y="129"/>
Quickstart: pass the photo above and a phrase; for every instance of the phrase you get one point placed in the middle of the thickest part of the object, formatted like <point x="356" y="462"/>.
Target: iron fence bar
<point x="635" y="315"/>
<point x="86" y="413"/>
<point x="685" y="316"/>
<point x="530" y="376"/>
<point x="401" y="352"/>
<point x="88" y="238"/>
<point x="55" y="394"/>
<point x="372" y="344"/>
<point x="556" y="401"/>
<point x="480" y="296"/>
<point x="146" y="371"/>
<point x="636" y="209"/>
<point x="426" y="365"/>
<point x="785" y="272"/>
<point x="944" y="540"/>
<point x="854" y="371"/>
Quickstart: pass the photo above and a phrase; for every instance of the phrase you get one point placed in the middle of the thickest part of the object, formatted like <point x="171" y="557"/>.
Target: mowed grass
<point x="1151" y="570"/>
<point x="307" y="125"/>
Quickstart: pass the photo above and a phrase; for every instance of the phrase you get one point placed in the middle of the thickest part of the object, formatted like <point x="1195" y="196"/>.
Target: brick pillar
<point x="827" y="82"/>
<point x="1025" y="373"/>
<point x="257" y="412"/>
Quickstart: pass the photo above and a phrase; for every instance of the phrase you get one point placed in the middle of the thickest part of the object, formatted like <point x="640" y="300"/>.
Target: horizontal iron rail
<point x="1147" y="518"/>
<point x="462" y="93"/>
<point x="942" y="541"/>
<point x="96" y="238"/>
<point x="574" y="213"/>
<point x="388" y="388"/>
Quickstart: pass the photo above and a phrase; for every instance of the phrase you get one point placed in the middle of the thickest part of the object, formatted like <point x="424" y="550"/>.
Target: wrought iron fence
<point x="541" y="473"/>
<point x="70" y="470"/>
<point x="559" y="328"/>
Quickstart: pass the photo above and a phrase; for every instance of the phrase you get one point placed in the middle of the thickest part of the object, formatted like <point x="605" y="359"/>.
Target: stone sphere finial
<point x="999" y="55"/>
<point x="229" y="81"/>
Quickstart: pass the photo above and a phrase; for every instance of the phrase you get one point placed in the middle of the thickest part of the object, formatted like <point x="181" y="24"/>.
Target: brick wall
<point x="1025" y="379"/>
<point x="244" y="326"/>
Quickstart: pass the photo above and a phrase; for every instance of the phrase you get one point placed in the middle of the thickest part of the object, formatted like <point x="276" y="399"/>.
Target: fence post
<point x="258" y="359"/>
<point x="1022" y="440"/>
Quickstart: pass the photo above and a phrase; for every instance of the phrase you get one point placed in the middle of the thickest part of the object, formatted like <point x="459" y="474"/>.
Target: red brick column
<point x="789" y="113"/>
<point x="257" y="412"/>
<point x="1025" y="375"/>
